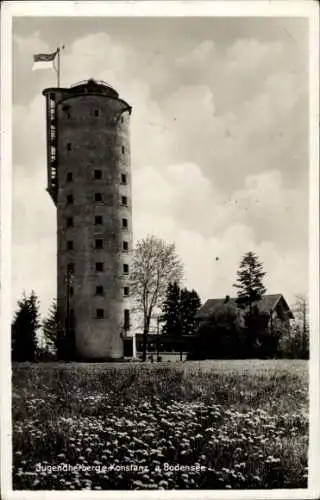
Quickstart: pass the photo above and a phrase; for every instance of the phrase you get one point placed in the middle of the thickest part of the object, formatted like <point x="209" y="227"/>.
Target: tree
<point x="171" y="312"/>
<point x="155" y="264"/>
<point x="221" y="335"/>
<point x="179" y="309"/>
<point x="190" y="304"/>
<point x="301" y="324"/>
<point x="260" y="340"/>
<point x="24" y="328"/>
<point x="50" y="328"/>
<point x="295" y="342"/>
<point x="249" y="281"/>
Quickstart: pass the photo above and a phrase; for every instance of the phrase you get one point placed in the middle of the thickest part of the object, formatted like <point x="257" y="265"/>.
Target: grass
<point x="231" y="424"/>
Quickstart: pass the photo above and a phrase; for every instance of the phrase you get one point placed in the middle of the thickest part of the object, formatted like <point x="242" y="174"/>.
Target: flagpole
<point x="58" y="66"/>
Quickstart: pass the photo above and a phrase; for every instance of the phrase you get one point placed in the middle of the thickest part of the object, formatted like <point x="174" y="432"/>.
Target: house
<point x="275" y="306"/>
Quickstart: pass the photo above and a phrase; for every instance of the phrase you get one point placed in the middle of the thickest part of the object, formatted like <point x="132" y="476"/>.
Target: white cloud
<point x="218" y="158"/>
<point x="199" y="56"/>
<point x="212" y="234"/>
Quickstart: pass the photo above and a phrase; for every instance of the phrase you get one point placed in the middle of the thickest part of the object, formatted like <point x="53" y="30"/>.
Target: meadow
<point x="211" y="425"/>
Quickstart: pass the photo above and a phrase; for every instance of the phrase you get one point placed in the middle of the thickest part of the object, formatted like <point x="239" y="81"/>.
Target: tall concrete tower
<point x="89" y="181"/>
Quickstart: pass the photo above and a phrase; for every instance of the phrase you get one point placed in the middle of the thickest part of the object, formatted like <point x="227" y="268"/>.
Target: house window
<point x="123" y="178"/>
<point x="126" y="291"/>
<point x="98" y="196"/>
<point x="125" y="268"/>
<point x="124" y="200"/>
<point x="98" y="220"/>
<point x="98" y="174"/>
<point x="70" y="245"/>
<point x="126" y="319"/>
<point x="66" y="107"/>
<point x="122" y="150"/>
<point x="68" y="116"/>
<point x="96" y="112"/>
<point x="70" y="269"/>
<point x="69" y="221"/>
<point x="99" y="243"/>
<point x="99" y="267"/>
<point x="121" y="119"/>
<point x="69" y="177"/>
<point x="99" y="290"/>
<point x="124" y="223"/>
<point x="69" y="146"/>
<point x="69" y="199"/>
<point x="125" y="246"/>
<point x="100" y="313"/>
<point x="71" y="291"/>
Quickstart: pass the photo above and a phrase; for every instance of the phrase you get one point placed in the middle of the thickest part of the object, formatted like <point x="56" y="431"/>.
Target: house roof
<point x="266" y="305"/>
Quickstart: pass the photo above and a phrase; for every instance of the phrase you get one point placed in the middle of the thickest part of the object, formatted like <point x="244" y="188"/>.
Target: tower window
<point x="70" y="268"/>
<point x="69" y="221"/>
<point x="98" y="174"/>
<point x="125" y="223"/>
<point x="126" y="291"/>
<point x="123" y="178"/>
<point x="99" y="243"/>
<point x="125" y="268"/>
<point x="96" y="112"/>
<point x="98" y="196"/>
<point x="124" y="200"/>
<point x="70" y="245"/>
<point x="98" y="219"/>
<point x="122" y="150"/>
<point x="71" y="291"/>
<point x="126" y="319"/>
<point x="69" y="199"/>
<point x="99" y="290"/>
<point x="125" y="246"/>
<point x="99" y="267"/>
<point x="69" y="146"/>
<point x="100" y="313"/>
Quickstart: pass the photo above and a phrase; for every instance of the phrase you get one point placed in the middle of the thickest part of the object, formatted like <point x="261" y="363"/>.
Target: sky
<point x="219" y="138"/>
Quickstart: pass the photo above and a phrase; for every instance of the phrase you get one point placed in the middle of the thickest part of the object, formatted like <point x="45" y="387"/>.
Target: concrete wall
<point x="93" y="134"/>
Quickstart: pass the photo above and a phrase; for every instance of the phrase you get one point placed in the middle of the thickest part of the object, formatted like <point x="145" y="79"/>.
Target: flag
<point x="44" y="61"/>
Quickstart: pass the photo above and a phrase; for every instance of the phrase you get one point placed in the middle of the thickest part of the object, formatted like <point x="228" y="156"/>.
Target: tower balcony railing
<point x="98" y="82"/>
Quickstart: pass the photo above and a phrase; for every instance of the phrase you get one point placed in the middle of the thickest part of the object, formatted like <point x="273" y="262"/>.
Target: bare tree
<point x="301" y="323"/>
<point x="294" y="343"/>
<point x="155" y="264"/>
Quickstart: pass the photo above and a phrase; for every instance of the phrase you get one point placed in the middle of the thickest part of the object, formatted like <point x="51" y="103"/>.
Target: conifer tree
<point x="171" y="312"/>
<point x="50" y="328"/>
<point x="189" y="305"/>
<point x="249" y="280"/>
<point x="24" y="328"/>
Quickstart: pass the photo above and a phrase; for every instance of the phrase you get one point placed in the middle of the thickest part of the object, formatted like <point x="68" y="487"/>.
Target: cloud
<point x="219" y="156"/>
<point x="198" y="57"/>
<point x="180" y="205"/>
